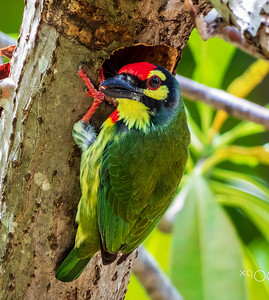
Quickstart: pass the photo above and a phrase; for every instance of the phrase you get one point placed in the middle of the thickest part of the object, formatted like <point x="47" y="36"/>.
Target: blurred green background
<point x="223" y="227"/>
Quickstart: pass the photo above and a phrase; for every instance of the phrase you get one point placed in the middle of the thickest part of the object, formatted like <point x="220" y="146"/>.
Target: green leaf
<point x="256" y="208"/>
<point x="198" y="138"/>
<point x="240" y="130"/>
<point x="159" y="245"/>
<point x="211" y="65"/>
<point x="259" y="248"/>
<point x="206" y="251"/>
<point x="242" y="182"/>
<point x="256" y="284"/>
<point x="135" y="290"/>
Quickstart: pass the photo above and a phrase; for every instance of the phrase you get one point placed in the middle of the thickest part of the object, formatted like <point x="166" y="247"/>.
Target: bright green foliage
<point x="206" y="248"/>
<point x="211" y="66"/>
<point x="256" y="285"/>
<point x="259" y="248"/>
<point x="11" y="16"/>
<point x="160" y="253"/>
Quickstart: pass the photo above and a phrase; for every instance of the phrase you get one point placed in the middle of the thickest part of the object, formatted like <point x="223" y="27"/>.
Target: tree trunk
<point x="39" y="162"/>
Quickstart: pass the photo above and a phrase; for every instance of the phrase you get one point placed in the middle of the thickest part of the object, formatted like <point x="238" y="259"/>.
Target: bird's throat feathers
<point x="132" y="113"/>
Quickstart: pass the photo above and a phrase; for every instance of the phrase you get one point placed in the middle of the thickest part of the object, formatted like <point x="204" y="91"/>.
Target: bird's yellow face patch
<point x="153" y="90"/>
<point x="159" y="94"/>
<point x="157" y="73"/>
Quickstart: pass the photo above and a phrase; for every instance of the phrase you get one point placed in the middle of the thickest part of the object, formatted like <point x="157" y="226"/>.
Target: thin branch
<point x="156" y="283"/>
<point x="219" y="99"/>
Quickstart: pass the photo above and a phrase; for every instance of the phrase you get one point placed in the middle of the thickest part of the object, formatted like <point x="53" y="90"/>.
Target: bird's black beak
<point x="120" y="87"/>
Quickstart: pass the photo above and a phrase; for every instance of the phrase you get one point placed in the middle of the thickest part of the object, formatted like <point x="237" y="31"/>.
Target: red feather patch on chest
<point x="114" y="116"/>
<point x="140" y="70"/>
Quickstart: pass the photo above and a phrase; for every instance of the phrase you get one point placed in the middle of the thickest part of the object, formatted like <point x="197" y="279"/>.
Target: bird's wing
<point x="136" y="187"/>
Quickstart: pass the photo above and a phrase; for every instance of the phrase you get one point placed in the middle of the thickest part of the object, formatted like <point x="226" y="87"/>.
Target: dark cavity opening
<point x="161" y="55"/>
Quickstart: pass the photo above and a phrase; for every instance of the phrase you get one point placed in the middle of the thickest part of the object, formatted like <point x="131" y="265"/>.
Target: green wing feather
<point x="87" y="237"/>
<point x="138" y="177"/>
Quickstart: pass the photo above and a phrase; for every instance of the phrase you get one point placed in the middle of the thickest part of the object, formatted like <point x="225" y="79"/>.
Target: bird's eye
<point x="154" y="82"/>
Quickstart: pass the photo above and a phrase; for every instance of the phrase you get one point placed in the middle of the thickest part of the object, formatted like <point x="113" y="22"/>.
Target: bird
<point x="130" y="172"/>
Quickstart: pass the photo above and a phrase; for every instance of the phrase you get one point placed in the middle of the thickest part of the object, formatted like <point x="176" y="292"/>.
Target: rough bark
<point x="251" y="17"/>
<point x="39" y="161"/>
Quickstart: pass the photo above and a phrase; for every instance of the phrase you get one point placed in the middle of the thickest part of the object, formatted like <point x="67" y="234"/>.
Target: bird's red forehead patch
<point x="140" y="70"/>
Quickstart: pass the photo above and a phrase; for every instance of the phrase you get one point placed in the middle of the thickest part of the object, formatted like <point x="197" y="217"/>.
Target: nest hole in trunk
<point x="161" y="55"/>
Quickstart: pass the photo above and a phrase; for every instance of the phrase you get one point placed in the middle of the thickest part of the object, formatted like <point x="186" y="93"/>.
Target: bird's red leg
<point x="98" y="96"/>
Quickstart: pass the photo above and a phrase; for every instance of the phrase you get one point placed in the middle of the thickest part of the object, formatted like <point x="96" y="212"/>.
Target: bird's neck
<point x="133" y="114"/>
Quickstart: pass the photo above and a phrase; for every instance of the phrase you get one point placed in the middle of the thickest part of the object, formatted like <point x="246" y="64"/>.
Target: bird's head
<point x="152" y="85"/>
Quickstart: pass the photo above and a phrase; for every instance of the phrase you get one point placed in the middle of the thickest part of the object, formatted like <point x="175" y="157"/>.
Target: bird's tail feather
<point x="71" y="267"/>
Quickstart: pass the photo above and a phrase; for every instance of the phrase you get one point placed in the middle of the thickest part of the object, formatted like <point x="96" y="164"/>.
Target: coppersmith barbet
<point x="131" y="170"/>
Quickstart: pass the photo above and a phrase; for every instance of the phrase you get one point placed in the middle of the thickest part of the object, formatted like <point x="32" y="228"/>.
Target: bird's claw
<point x="98" y="96"/>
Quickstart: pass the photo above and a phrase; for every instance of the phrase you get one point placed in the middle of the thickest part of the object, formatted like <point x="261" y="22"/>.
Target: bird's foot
<point x="98" y="96"/>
